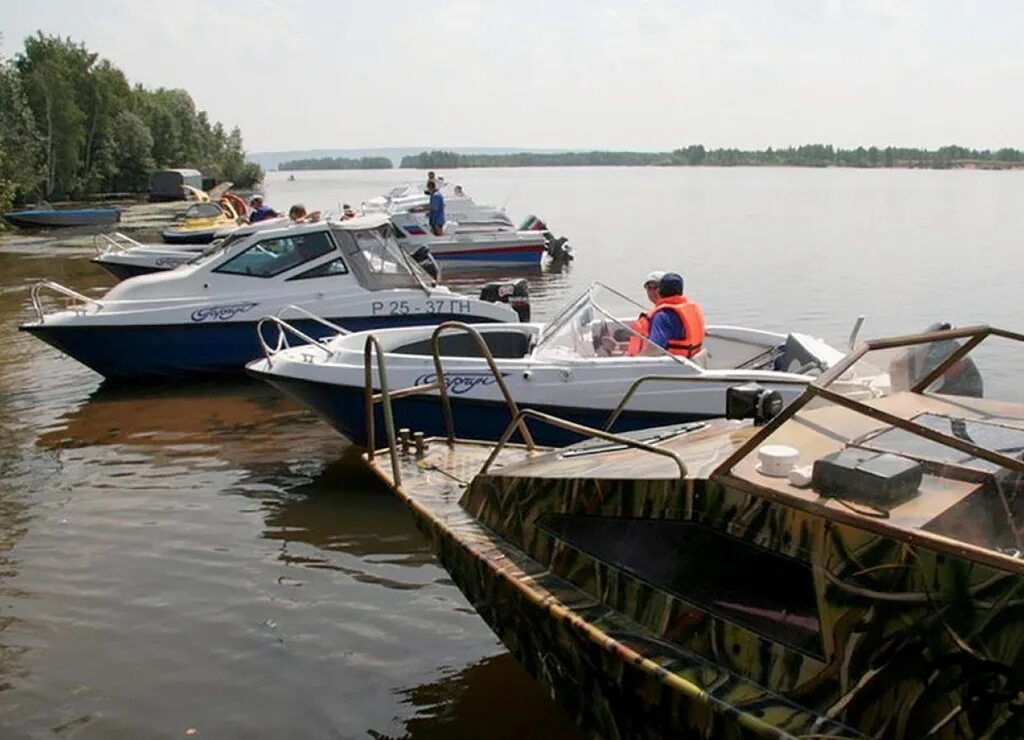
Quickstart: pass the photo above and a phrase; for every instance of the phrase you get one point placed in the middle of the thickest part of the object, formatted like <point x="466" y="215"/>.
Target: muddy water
<point x="210" y="557"/>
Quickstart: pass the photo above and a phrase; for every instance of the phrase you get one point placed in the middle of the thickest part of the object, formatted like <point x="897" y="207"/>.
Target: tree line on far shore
<point x="337" y="163"/>
<point x="72" y="125"/>
<point x="809" y="155"/>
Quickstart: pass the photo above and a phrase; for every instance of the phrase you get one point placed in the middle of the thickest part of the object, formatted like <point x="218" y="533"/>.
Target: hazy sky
<point x="644" y="74"/>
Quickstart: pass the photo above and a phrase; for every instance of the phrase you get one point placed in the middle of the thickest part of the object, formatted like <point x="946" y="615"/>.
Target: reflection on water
<point x="211" y="556"/>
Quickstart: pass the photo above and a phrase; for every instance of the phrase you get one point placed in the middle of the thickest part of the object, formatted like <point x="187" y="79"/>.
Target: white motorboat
<point x="201" y="317"/>
<point x="124" y="257"/>
<point x="574" y="367"/>
<point x="475" y="234"/>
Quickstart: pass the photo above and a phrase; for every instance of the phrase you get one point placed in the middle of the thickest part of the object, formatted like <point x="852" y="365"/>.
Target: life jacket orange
<point x="692" y="318"/>
<point x="641" y="326"/>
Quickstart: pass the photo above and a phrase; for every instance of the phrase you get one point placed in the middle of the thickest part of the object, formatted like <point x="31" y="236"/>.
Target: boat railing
<point x="37" y="299"/>
<point x="520" y="420"/>
<point x="114" y="242"/>
<point x="635" y="386"/>
<point x="283" y="330"/>
<point x="373" y="349"/>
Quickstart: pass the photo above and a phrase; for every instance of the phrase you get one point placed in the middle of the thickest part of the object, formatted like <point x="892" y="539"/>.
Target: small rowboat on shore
<point x="49" y="218"/>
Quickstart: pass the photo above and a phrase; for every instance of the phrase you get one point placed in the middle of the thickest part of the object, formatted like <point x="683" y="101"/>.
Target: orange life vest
<point x="692" y="318"/>
<point x="641" y="326"/>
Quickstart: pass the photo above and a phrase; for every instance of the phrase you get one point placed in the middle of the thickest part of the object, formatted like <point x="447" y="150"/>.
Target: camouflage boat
<point x="851" y="568"/>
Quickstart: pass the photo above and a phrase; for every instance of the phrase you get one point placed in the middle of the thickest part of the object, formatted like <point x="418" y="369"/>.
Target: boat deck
<point x="432" y="486"/>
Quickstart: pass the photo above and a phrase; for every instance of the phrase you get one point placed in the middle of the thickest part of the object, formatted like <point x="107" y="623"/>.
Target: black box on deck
<point x="876" y="478"/>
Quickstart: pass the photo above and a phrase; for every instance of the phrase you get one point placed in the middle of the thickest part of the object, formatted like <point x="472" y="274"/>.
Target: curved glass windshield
<point x="598" y="323"/>
<point x="203" y="210"/>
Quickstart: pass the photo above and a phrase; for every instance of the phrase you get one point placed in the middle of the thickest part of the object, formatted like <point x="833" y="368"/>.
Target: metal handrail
<point x="520" y="419"/>
<point x="283" y="328"/>
<point x="310" y="315"/>
<point x="57" y="288"/>
<point x="485" y="351"/>
<point x="372" y="343"/>
<point x="617" y="412"/>
<point x="113" y="244"/>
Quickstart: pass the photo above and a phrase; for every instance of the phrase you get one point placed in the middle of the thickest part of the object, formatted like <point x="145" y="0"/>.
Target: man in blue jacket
<point x="258" y="211"/>
<point x="436" y="217"/>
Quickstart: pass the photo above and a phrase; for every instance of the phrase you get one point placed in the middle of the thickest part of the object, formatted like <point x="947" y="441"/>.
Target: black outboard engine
<point x="752" y="401"/>
<point x="425" y="259"/>
<point x="515" y="293"/>
<point x="557" y="247"/>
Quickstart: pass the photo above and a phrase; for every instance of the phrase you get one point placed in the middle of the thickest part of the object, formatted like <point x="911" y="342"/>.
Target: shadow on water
<point x="494" y="698"/>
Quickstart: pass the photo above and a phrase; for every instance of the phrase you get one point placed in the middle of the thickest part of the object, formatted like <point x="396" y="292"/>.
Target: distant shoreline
<point x="809" y="155"/>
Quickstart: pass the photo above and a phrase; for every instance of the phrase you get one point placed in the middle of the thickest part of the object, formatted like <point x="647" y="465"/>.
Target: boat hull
<point x="189" y="350"/>
<point x="344" y="409"/>
<point x="62" y="219"/>
<point x="125" y="271"/>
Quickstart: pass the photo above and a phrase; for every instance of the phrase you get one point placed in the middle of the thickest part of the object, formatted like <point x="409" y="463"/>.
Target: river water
<point x="210" y="560"/>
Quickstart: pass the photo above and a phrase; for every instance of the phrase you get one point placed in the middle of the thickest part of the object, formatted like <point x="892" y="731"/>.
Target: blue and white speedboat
<point x="575" y="367"/>
<point x="200" y="319"/>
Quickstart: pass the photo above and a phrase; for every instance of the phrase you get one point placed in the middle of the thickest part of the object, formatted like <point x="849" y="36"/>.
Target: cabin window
<point x="748" y="585"/>
<point x="378" y="252"/>
<point x="327" y="269"/>
<point x="272" y="257"/>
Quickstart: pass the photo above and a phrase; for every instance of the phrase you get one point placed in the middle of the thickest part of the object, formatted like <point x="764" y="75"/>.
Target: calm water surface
<point x="211" y="558"/>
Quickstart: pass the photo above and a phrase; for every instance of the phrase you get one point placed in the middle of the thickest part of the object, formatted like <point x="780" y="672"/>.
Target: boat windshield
<point x="203" y="210"/>
<point x="597" y="323"/>
<point x="378" y="261"/>
<point x="936" y="457"/>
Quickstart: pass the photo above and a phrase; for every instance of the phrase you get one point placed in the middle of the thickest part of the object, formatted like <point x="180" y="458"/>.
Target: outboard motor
<point x="425" y="259"/>
<point x="916" y="361"/>
<point x="515" y="293"/>
<point x="557" y="247"/>
<point x="752" y="401"/>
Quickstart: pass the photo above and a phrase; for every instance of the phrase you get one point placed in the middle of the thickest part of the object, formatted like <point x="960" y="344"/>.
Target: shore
<point x="141" y="221"/>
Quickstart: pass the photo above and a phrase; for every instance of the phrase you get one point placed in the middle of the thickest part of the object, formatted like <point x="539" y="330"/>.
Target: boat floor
<point x="433" y="485"/>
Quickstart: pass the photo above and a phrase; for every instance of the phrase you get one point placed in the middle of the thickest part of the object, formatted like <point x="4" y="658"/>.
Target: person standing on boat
<point x="258" y="211"/>
<point x="436" y="216"/>
<point x="677" y="324"/>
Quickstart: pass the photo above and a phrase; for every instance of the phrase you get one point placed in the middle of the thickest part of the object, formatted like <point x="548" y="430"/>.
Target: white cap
<point x="654" y="277"/>
<point x="255" y="196"/>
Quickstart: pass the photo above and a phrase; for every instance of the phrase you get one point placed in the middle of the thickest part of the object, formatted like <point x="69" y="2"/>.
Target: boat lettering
<point x="221" y="313"/>
<point x="462" y="382"/>
<point x="171" y="261"/>
<point x="389" y="308"/>
<point x="454" y="306"/>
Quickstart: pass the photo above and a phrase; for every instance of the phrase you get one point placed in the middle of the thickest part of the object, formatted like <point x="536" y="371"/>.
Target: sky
<point x="646" y="75"/>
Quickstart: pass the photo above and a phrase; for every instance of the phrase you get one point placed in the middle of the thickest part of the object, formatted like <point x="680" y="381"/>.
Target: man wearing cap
<point x="676" y="324"/>
<point x="258" y="211"/>
<point x="642" y="325"/>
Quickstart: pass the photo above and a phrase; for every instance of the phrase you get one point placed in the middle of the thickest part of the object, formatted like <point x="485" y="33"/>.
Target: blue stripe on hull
<point x="343" y="408"/>
<point x="188" y="237"/>
<point x="505" y="258"/>
<point x="182" y="350"/>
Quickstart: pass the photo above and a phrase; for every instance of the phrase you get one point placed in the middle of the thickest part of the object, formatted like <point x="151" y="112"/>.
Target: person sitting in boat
<point x="347" y="212"/>
<point x="258" y="211"/>
<point x="676" y="324"/>
<point x="459" y="192"/>
<point x="298" y="214"/>
<point x="436" y="216"/>
<point x="642" y="324"/>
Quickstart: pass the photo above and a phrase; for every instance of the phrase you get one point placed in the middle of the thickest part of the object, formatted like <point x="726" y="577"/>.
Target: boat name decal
<point x="172" y="261"/>
<point x="221" y="313"/>
<point x="462" y="382"/>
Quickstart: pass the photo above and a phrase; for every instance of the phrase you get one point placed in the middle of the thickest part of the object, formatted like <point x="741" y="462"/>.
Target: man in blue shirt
<point x="258" y="211"/>
<point x="436" y="217"/>
<point x="666" y="325"/>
